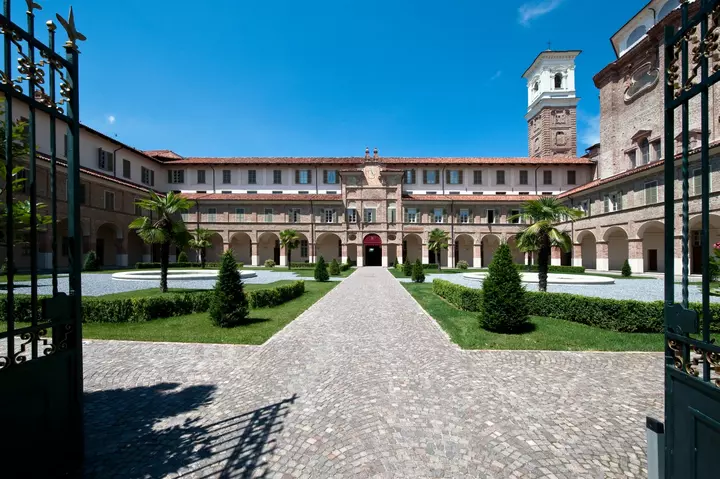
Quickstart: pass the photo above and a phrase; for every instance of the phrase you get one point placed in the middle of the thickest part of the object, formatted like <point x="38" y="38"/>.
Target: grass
<point x="399" y="274"/>
<point x="301" y="272"/>
<point x="544" y="334"/>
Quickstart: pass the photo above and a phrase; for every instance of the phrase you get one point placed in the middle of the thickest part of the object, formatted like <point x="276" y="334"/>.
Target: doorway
<point x="276" y="252"/>
<point x="652" y="260"/>
<point x="100" y="251"/>
<point x="373" y="250"/>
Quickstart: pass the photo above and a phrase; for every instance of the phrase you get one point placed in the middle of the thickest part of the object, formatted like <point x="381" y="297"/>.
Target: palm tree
<point x="289" y="239"/>
<point x="542" y="234"/>
<point x="165" y="229"/>
<point x="200" y="242"/>
<point x="438" y="241"/>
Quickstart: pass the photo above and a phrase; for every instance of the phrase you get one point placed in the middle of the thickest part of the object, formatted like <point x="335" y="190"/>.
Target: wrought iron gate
<point x="692" y="369"/>
<point x="40" y="335"/>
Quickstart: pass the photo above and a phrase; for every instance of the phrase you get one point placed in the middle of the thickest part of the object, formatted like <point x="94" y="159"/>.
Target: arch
<point x="268" y="247"/>
<point x="488" y="246"/>
<point x="215" y="251"/>
<point x="241" y="245"/>
<point x="617" y="241"/>
<point x="464" y="248"/>
<point x="665" y="10"/>
<point x="635" y="36"/>
<point x="372" y="240"/>
<point x="588" y="249"/>
<point x="558" y="81"/>
<point x="517" y="255"/>
<point x="329" y="246"/>
<point x="652" y="235"/>
<point x="106" y="244"/>
<point x="695" y="227"/>
<point x="412" y="248"/>
<point x="136" y="248"/>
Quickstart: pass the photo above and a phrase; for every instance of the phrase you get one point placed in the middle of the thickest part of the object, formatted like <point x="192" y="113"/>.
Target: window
<point x="176" y="177"/>
<point x="656" y="150"/>
<point x="351" y="215"/>
<point x="571" y="177"/>
<point x="252" y="177"/>
<point x="303" y="192"/>
<point x="411" y="215"/>
<point x="632" y="158"/>
<point x="65" y="145"/>
<point x="651" y="192"/>
<point x="329" y="216"/>
<point x="438" y="215"/>
<point x="697" y="181"/>
<point x="558" y="81"/>
<point x="464" y="216"/>
<point x="500" y="177"/>
<point x="477" y="177"/>
<point x="249" y="192"/>
<point x="523" y="177"/>
<point x="226" y="192"/>
<point x="268" y="215"/>
<point x="547" y="177"/>
<point x="277" y="192"/>
<point x="330" y="177"/>
<point x="585" y="207"/>
<point x="138" y="209"/>
<point x="106" y="160"/>
<point x="409" y="177"/>
<point x="536" y="86"/>
<point x="454" y="177"/>
<point x="644" y="151"/>
<point x="147" y="176"/>
<point x="277" y="177"/>
<point x="636" y="35"/>
<point x="226" y="177"/>
<point x="127" y="172"/>
<point x="392" y="216"/>
<point x="613" y="202"/>
<point x="370" y="215"/>
<point x="303" y="177"/>
<point x="201" y="177"/>
<point x="491" y="216"/>
<point x="294" y="215"/>
<point x="211" y="214"/>
<point x="513" y="220"/>
<point x="303" y="248"/>
<point x="239" y="215"/>
<point x="110" y="201"/>
<point x="431" y="177"/>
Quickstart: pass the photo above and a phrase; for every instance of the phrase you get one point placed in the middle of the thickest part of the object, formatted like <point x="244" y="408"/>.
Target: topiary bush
<point x="407" y="268"/>
<point x="462" y="264"/>
<point x="504" y="306"/>
<point x="418" y="275"/>
<point x="269" y="263"/>
<point x="321" y="272"/>
<point x="91" y="262"/>
<point x="626" y="271"/>
<point x="395" y="263"/>
<point x="297" y="265"/>
<point x="344" y="266"/>
<point x="334" y="268"/>
<point x="229" y="305"/>
<point x="182" y="257"/>
<point x="269" y="298"/>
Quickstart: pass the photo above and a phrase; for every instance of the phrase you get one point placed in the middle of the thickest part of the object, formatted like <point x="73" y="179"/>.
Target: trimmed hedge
<point x="551" y="269"/>
<point x="296" y="265"/>
<point x="180" y="265"/>
<point x="625" y="316"/>
<point x="430" y="266"/>
<point x="269" y="298"/>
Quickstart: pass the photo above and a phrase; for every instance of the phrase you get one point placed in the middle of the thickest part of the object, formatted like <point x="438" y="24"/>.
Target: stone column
<point x="254" y="258"/>
<point x="425" y="254"/>
<point x="283" y="256"/>
<point x="344" y="253"/>
<point x="360" y="254"/>
<point x="226" y="247"/>
<point x="635" y="256"/>
<point x="384" y="262"/>
<point x="451" y="254"/>
<point x="44" y="254"/>
<point x="555" y="256"/>
<point x="603" y="264"/>
<point x="477" y="256"/>
<point x="577" y="255"/>
<point x="147" y="253"/>
<point x="311" y="253"/>
<point x="678" y="255"/>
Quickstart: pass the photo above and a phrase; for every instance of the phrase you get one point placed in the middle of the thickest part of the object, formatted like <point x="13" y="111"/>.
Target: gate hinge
<point x="681" y="320"/>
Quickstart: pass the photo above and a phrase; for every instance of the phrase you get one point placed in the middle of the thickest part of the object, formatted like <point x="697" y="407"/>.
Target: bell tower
<point x="552" y="104"/>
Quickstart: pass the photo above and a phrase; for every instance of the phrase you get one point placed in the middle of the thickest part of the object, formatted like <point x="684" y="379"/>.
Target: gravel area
<point x="102" y="284"/>
<point x="638" y="289"/>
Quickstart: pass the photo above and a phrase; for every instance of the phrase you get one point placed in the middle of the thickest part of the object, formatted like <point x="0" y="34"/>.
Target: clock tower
<point x="552" y="104"/>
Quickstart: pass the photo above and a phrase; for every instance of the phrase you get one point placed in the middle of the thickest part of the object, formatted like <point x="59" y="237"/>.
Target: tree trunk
<point x="202" y="257"/>
<point x="288" y="253"/>
<point x="543" y="260"/>
<point x="164" y="262"/>
<point x="438" y="259"/>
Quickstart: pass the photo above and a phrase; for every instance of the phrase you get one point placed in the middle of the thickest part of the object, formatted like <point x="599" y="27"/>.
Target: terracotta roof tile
<point x="259" y="197"/>
<point x="268" y="161"/>
<point x="388" y="160"/>
<point x="491" y="161"/>
<point x="478" y="198"/>
<point x="163" y="154"/>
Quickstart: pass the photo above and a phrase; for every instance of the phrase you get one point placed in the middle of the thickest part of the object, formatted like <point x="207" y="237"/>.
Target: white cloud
<point x="496" y="75"/>
<point x="589" y="129"/>
<point x="531" y="10"/>
<point x="110" y="119"/>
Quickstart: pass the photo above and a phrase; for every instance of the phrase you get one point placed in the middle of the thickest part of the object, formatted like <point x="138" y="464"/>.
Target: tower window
<point x="558" y="81"/>
<point x="536" y="86"/>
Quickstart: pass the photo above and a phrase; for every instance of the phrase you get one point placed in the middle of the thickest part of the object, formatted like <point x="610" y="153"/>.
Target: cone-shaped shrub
<point x="407" y="268"/>
<point x="395" y="263"/>
<point x="334" y="268"/>
<point x="182" y="257"/>
<point x="229" y="306"/>
<point x="626" y="271"/>
<point x="504" y="306"/>
<point x="418" y="275"/>
<point x="321" y="272"/>
<point x="91" y="262"/>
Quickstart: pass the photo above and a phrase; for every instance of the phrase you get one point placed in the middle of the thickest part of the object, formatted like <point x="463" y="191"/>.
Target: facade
<point x="373" y="210"/>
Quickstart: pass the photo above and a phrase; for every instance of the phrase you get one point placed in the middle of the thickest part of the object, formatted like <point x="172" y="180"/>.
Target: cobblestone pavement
<point x="364" y="384"/>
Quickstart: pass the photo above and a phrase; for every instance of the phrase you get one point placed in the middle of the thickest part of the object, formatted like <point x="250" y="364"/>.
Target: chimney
<point x="375" y="153"/>
<point x="367" y="152"/>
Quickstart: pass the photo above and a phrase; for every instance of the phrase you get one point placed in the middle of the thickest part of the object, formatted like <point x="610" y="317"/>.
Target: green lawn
<point x="545" y="334"/>
<point x="303" y="273"/>
<point x="197" y="328"/>
<point x="399" y="274"/>
<point x="144" y="293"/>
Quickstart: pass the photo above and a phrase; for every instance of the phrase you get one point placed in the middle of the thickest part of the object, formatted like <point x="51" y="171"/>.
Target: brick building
<point x="372" y="209"/>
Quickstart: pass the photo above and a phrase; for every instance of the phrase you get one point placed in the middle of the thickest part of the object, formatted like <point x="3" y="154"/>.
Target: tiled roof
<point x="119" y="143"/>
<point x="163" y="154"/>
<point x="388" y="160"/>
<point x="491" y="161"/>
<point x="267" y="161"/>
<point x="260" y="197"/>
<point x="485" y="198"/>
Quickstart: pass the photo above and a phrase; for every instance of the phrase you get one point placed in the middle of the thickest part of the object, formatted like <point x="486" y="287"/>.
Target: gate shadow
<point x="152" y="432"/>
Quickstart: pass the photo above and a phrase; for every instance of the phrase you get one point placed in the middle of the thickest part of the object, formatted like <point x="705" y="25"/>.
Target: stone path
<point x="364" y="384"/>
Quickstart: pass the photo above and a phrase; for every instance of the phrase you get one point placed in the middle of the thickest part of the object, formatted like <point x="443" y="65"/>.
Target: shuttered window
<point x="409" y="177"/>
<point x="477" y="177"/>
<point x="651" y="192"/>
<point x="201" y="177"/>
<point x="523" y="177"/>
<point x="227" y="177"/>
<point x="431" y="177"/>
<point x="330" y="177"/>
<point x="303" y="177"/>
<point x="252" y="177"/>
<point x="500" y="177"/>
<point x="454" y="177"/>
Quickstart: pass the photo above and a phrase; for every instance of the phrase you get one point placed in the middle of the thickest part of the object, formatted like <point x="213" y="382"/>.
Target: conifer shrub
<point x="504" y="306"/>
<point x="321" y="272"/>
<point x="395" y="263"/>
<point x="418" y="274"/>
<point x="626" y="271"/>
<point x="407" y="268"/>
<point x="91" y="262"/>
<point x="182" y="257"/>
<point x="269" y="263"/>
<point x="229" y="306"/>
<point x="334" y="268"/>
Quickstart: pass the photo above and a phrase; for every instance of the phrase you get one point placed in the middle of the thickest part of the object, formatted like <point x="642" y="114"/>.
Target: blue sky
<point x="327" y="78"/>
